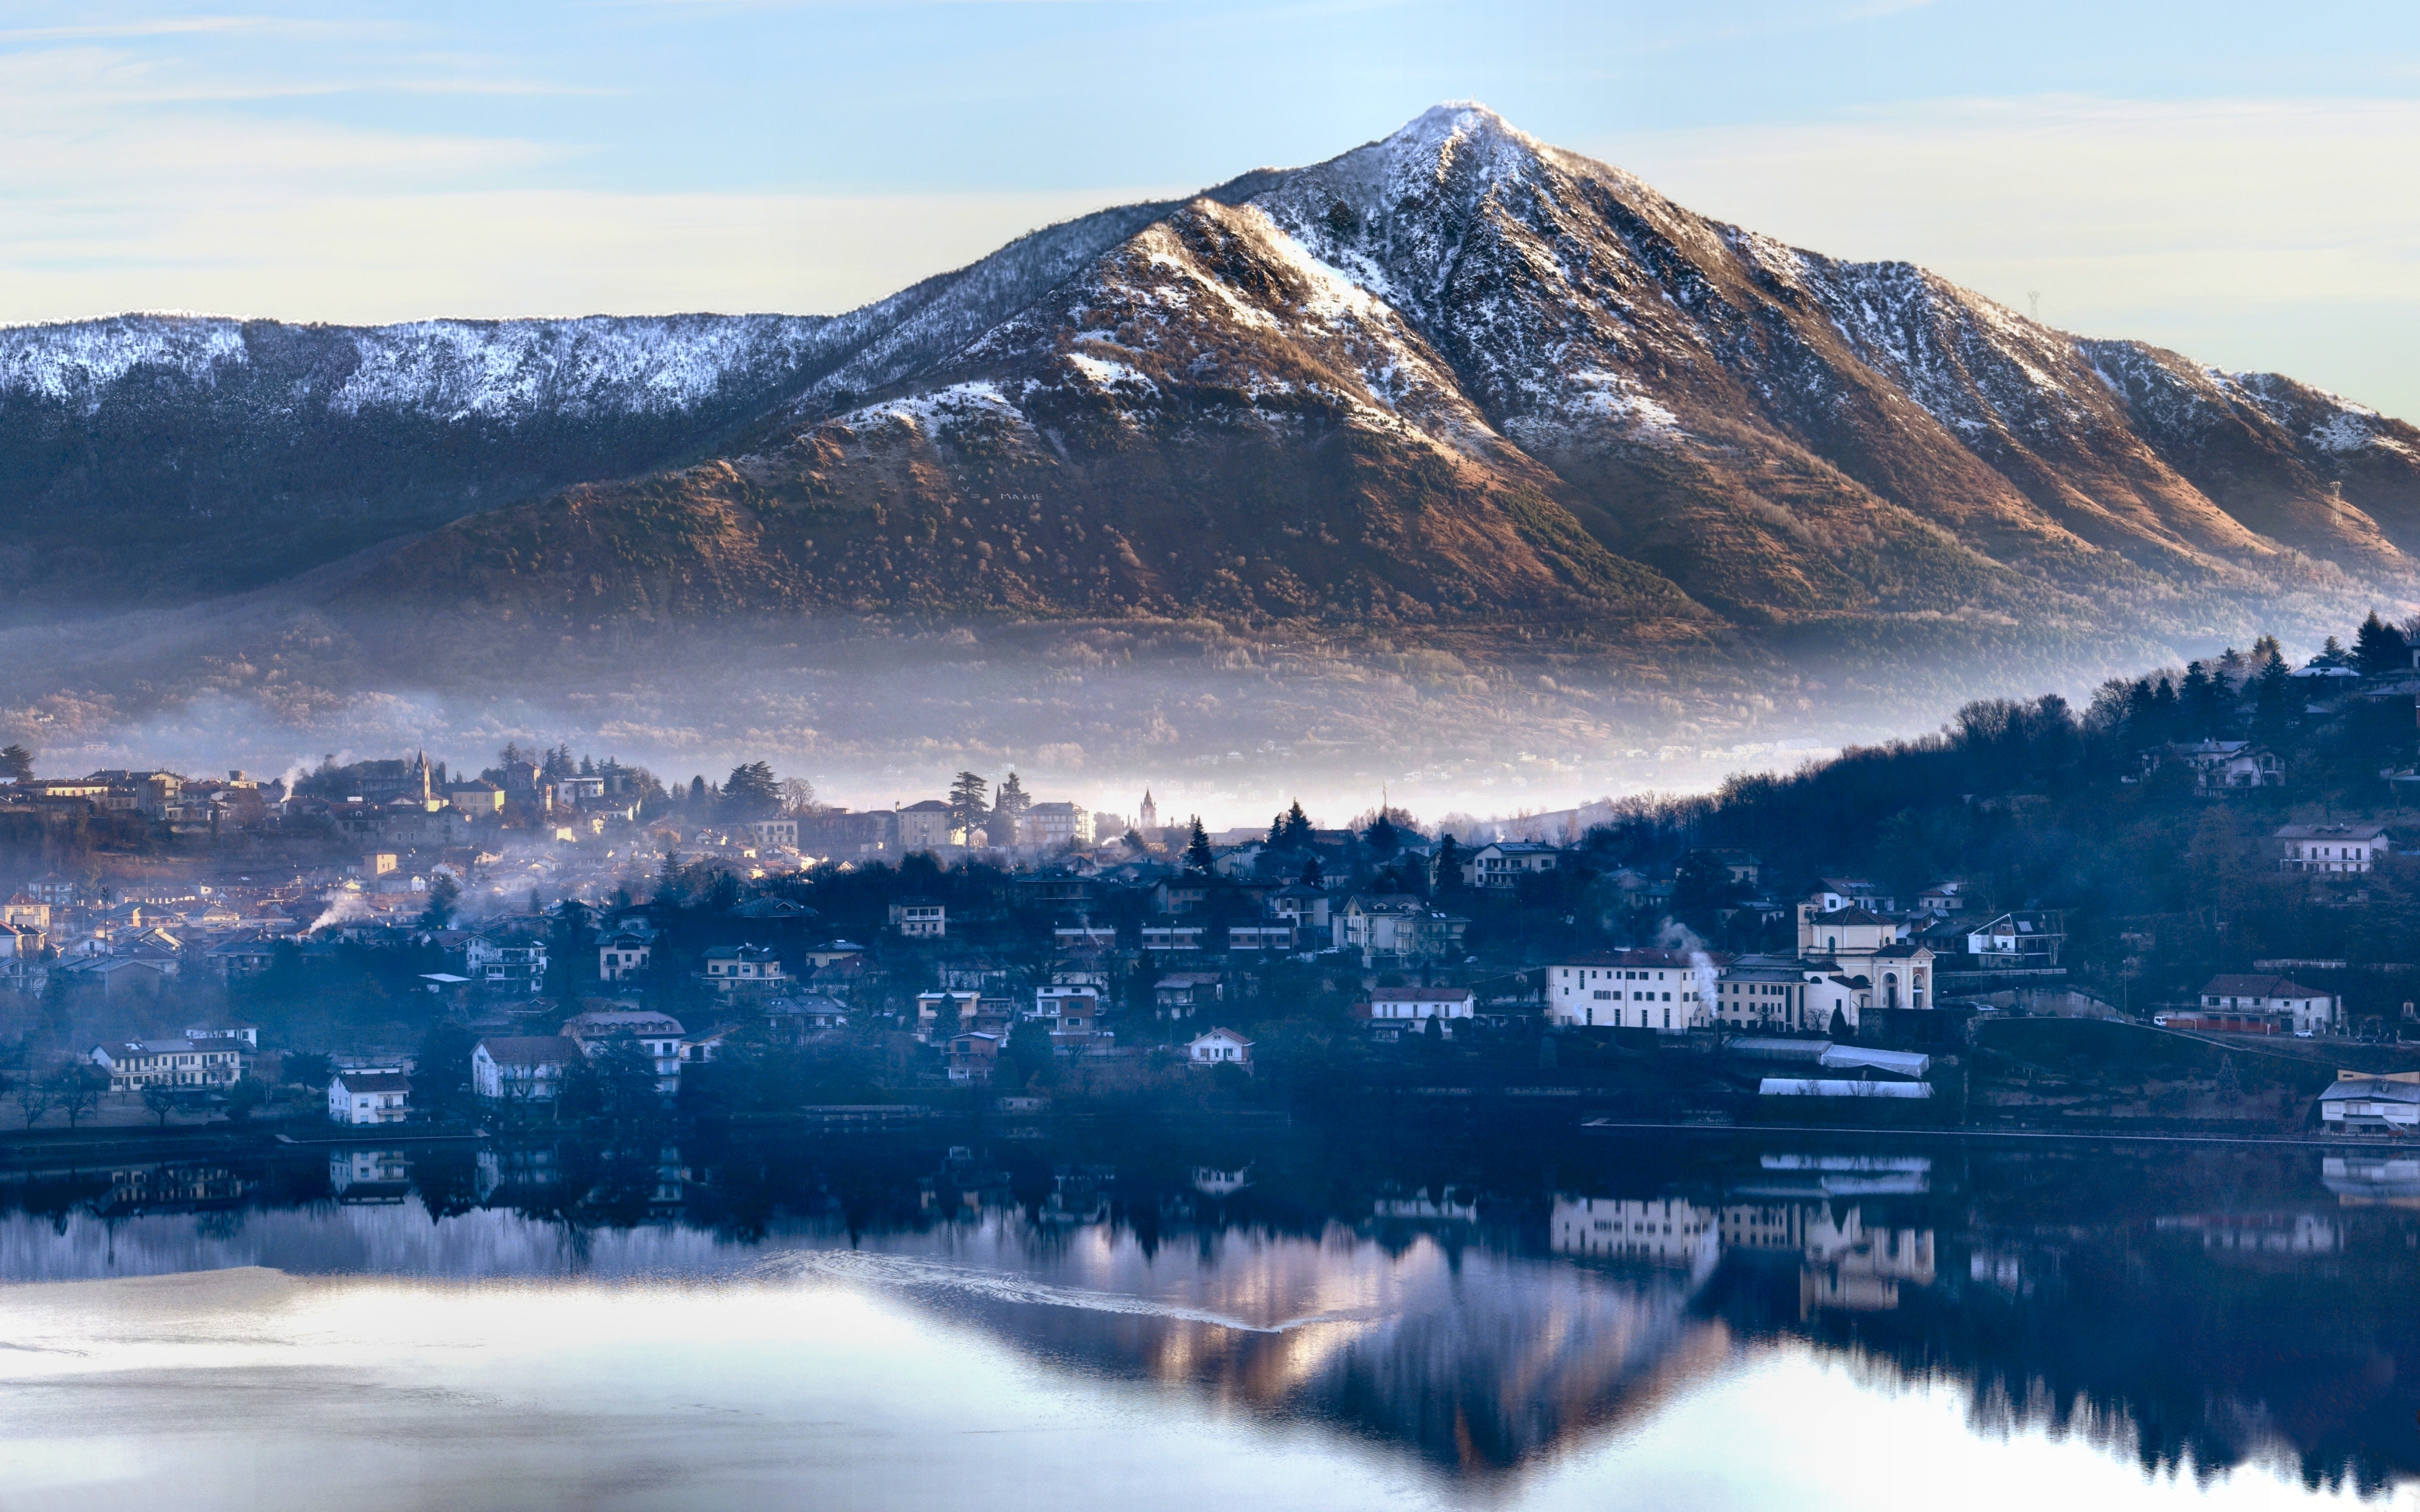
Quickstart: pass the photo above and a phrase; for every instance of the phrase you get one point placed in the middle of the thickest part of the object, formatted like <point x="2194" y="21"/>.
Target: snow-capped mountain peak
<point x="1582" y="366"/>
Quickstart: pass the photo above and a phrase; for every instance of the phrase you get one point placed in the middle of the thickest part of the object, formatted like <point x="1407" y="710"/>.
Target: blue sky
<point x="2236" y="181"/>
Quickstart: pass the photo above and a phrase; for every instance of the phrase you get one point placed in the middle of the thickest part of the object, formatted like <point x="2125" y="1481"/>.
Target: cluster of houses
<point x="1857" y="952"/>
<point x="1133" y="953"/>
<point x="400" y="802"/>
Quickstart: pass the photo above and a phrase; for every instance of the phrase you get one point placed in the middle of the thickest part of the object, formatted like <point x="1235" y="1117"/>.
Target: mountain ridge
<point x="1454" y="381"/>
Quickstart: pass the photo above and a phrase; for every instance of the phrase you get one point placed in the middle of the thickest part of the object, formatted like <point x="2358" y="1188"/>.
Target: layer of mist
<point x="1231" y="725"/>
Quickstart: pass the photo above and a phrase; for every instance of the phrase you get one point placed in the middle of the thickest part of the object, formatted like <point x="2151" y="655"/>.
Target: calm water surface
<point x="1285" y="1320"/>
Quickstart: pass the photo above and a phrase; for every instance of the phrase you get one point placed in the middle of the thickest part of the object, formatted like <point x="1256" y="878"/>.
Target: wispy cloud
<point x="380" y="256"/>
<point x="166" y="26"/>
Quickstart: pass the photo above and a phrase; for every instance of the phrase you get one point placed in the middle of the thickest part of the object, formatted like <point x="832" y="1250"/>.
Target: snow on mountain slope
<point x="1213" y="297"/>
<point x="446" y="370"/>
<point x="918" y="326"/>
<point x="74" y="363"/>
<point x="457" y="369"/>
<point x="1583" y="309"/>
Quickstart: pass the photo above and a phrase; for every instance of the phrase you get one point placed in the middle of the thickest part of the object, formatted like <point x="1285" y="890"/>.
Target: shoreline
<point x="2065" y="1136"/>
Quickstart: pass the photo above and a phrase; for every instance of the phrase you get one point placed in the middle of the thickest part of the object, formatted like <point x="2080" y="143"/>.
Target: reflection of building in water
<point x="1854" y="1267"/>
<point x="1451" y="1205"/>
<point x="1763" y="1225"/>
<point x="1837" y="1176"/>
<point x="671" y="1178"/>
<point x="1670" y="1232"/>
<point x="2259" y="1233"/>
<point x="517" y="1168"/>
<point x="965" y="1188"/>
<point x="172" y="1188"/>
<point x="1078" y="1194"/>
<point x="1842" y="1262"/>
<point x="1212" y="1181"/>
<point x="370" y="1175"/>
<point x="2372" y="1181"/>
<point x="2012" y="1270"/>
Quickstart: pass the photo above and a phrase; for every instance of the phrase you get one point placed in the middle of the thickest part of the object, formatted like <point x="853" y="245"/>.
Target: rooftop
<point x="530" y="1050"/>
<point x="2234" y="986"/>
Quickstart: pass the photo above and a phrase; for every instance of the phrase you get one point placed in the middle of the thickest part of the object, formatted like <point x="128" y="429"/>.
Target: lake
<point x="1380" y="1315"/>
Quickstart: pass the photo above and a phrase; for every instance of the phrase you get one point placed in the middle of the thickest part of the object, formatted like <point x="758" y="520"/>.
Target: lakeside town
<point x="560" y="938"/>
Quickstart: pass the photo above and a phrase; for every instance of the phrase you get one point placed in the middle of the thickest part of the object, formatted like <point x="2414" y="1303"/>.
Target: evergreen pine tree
<point x="2202" y="709"/>
<point x="751" y="792"/>
<point x="1196" y="850"/>
<point x="2379" y="648"/>
<point x="1008" y="807"/>
<point x="2273" y="702"/>
<point x="1449" y="862"/>
<point x="1297" y="827"/>
<point x="2164" y="711"/>
<point x="970" y="804"/>
<point x="1380" y="836"/>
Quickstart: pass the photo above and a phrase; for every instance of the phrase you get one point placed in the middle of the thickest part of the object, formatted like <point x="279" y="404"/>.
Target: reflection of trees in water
<point x="2180" y="1349"/>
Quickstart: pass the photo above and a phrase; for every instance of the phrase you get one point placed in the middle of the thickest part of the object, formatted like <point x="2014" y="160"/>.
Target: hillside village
<point x="2219" y="856"/>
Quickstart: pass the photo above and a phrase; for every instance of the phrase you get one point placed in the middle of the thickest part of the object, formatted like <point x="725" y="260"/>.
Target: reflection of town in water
<point x="1478" y="1308"/>
<point x="1797" y="1208"/>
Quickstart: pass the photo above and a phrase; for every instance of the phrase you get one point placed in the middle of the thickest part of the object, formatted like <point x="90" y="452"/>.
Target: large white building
<point x="1662" y="989"/>
<point x="2333" y="847"/>
<point x="2307" y="1009"/>
<point x="1416" y="1008"/>
<point x="134" y="1064"/>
